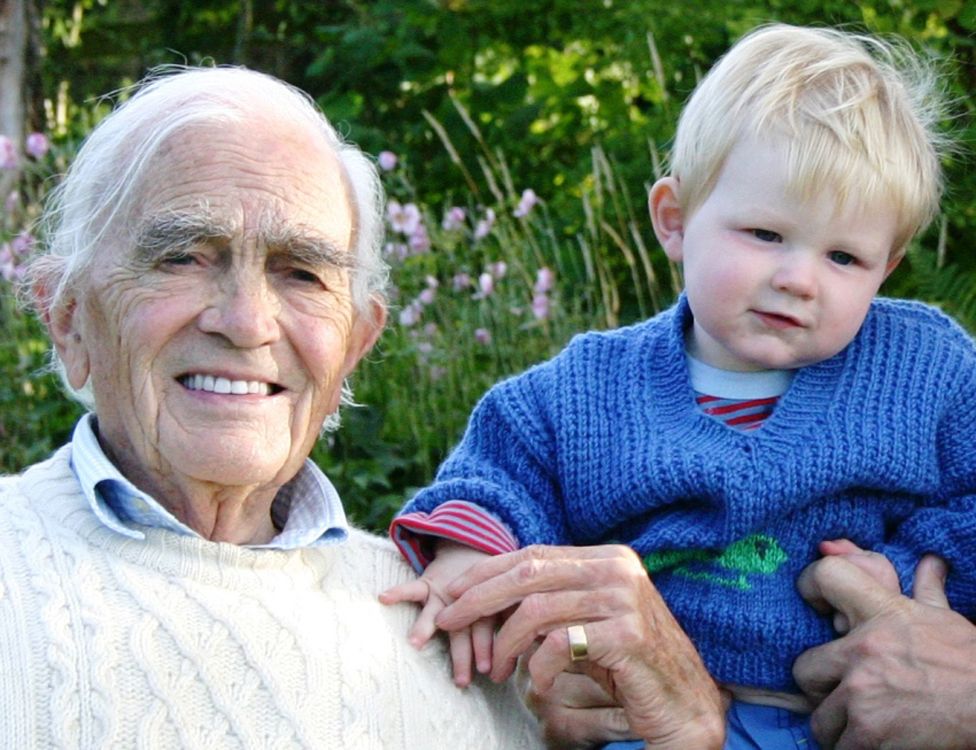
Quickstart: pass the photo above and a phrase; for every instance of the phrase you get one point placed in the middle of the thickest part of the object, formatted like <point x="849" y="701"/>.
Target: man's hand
<point x="904" y="677"/>
<point x="637" y="652"/>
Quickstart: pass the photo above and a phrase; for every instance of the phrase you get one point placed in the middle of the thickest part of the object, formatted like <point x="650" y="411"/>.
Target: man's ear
<point x="366" y="330"/>
<point x="63" y="321"/>
<point x="667" y="217"/>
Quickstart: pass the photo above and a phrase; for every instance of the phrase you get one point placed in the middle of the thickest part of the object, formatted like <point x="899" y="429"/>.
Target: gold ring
<point x="578" y="645"/>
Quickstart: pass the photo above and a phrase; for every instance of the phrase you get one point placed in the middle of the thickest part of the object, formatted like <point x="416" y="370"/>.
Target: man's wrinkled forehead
<point x="267" y="182"/>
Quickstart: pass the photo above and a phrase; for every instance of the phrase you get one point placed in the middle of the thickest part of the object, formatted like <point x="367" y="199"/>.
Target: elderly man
<point x="181" y="575"/>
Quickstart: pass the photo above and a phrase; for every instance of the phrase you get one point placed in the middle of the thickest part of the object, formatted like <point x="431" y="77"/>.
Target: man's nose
<point x="244" y="310"/>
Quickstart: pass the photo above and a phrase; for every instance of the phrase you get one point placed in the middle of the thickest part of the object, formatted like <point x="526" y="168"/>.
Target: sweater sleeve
<point x="505" y="465"/>
<point x="945" y="524"/>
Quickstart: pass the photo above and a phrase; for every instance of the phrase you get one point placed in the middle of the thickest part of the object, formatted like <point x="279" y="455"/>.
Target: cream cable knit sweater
<point x="174" y="642"/>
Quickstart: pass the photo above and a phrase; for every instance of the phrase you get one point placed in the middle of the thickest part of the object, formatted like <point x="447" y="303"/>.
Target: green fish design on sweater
<point x="757" y="554"/>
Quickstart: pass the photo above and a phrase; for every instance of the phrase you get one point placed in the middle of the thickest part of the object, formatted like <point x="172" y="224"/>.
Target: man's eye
<point x="766" y="235"/>
<point x="178" y="259"/>
<point x="306" y="277"/>
<point x="841" y="258"/>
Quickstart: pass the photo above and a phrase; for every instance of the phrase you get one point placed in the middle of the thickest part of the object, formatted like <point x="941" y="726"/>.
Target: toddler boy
<point x="777" y="404"/>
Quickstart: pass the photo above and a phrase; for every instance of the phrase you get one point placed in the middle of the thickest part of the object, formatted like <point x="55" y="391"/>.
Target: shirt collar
<point x="307" y="508"/>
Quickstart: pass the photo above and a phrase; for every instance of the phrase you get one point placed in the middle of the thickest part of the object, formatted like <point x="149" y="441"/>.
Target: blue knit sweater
<point x="605" y="443"/>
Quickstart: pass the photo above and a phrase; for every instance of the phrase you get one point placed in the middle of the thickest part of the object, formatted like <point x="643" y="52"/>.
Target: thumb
<point x="929" y="585"/>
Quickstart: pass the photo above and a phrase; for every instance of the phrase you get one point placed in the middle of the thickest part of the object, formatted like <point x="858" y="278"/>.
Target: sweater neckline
<point x="171" y="554"/>
<point x="799" y="408"/>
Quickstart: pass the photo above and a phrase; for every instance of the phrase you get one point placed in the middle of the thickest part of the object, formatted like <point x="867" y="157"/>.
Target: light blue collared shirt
<point x="307" y="509"/>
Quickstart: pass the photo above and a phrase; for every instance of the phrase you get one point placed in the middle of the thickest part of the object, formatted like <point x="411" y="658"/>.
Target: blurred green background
<point x="476" y="102"/>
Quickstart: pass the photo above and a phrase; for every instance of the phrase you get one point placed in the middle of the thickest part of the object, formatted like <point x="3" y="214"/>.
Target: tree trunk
<point x="13" y="71"/>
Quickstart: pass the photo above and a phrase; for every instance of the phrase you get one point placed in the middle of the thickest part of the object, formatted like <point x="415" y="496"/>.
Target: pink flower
<point x="460" y="282"/>
<point x="431" y="281"/>
<point x="403" y="218"/>
<point x="8" y="267"/>
<point x="526" y="203"/>
<point x="22" y="244"/>
<point x="420" y="240"/>
<point x="8" y="153"/>
<point x="410" y="315"/>
<point x="544" y="280"/>
<point x="486" y="285"/>
<point x="453" y="219"/>
<point x="396" y="250"/>
<point x="540" y="306"/>
<point x="430" y="329"/>
<point x="499" y="269"/>
<point x="482" y="336"/>
<point x="484" y="225"/>
<point x="386" y="160"/>
<point x="37" y="145"/>
<point x="13" y="200"/>
<point x="427" y="296"/>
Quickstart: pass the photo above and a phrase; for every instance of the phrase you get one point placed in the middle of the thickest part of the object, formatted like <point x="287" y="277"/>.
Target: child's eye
<point x="841" y="258"/>
<point x="766" y="235"/>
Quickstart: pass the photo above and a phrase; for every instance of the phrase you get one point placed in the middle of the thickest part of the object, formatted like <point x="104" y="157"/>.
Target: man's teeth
<point x="226" y="385"/>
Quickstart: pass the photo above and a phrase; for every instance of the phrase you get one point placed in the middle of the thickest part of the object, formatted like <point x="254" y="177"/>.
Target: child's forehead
<point x="808" y="168"/>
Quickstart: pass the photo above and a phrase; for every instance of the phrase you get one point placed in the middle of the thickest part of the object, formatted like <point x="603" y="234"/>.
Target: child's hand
<point x="874" y="564"/>
<point x="430" y="590"/>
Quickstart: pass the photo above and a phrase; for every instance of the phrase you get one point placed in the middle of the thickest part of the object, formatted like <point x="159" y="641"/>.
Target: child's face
<point x="774" y="281"/>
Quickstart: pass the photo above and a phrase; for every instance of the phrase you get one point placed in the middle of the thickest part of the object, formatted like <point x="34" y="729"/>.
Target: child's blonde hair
<point x="858" y="113"/>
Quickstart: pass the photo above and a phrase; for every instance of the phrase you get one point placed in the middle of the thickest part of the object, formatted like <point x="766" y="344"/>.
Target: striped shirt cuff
<point x="414" y="534"/>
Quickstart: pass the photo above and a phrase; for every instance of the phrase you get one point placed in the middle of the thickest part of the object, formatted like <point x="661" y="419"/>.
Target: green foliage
<point x="481" y="100"/>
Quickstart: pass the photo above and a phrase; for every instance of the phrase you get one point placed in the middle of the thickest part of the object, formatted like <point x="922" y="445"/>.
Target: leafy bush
<point x="481" y="101"/>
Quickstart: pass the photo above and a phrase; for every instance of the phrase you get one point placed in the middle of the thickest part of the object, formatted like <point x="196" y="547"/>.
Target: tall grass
<point x="492" y="287"/>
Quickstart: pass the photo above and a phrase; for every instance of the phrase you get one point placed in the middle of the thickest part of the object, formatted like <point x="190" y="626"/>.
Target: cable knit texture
<point x="175" y="642"/>
<point x="605" y="443"/>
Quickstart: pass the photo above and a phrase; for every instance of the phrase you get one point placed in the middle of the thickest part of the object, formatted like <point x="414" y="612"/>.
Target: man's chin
<point x="231" y="461"/>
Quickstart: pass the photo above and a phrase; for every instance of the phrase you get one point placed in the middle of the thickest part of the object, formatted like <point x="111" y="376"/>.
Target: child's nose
<point x="796" y="275"/>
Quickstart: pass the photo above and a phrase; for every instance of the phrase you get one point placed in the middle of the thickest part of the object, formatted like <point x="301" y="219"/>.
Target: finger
<point x="499" y="565"/>
<point x="551" y="659"/>
<point x="818" y="671"/>
<point x="540" y="615"/>
<point x="482" y="635"/>
<point x="424" y="628"/>
<point x="412" y="591"/>
<point x="839" y="547"/>
<point x="566" y="728"/>
<point x="829" y="720"/>
<point x="841" y="624"/>
<point x="836" y="583"/>
<point x="538" y="574"/>
<point x="929" y="585"/>
<point x="461" y="656"/>
<point x="570" y="690"/>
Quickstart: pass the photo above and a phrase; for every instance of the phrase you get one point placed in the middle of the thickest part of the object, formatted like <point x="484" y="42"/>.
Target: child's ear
<point x="667" y="217"/>
<point x="893" y="264"/>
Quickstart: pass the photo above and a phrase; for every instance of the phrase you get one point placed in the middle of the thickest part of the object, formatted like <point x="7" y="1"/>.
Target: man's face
<point x="218" y="334"/>
<point x="775" y="281"/>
